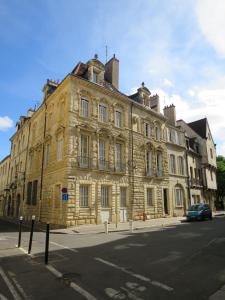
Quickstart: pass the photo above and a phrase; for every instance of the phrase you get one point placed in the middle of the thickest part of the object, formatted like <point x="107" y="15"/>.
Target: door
<point x="123" y="204"/>
<point x="105" y="203"/>
<point x="165" y="201"/>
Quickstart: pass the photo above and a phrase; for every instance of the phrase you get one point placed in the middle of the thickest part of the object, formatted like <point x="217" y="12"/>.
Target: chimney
<point x="112" y="71"/>
<point x="170" y="114"/>
<point x="154" y="103"/>
<point x="49" y="88"/>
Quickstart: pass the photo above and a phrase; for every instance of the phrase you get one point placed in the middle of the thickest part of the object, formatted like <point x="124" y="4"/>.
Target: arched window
<point x="179" y="196"/>
<point x="172" y="164"/>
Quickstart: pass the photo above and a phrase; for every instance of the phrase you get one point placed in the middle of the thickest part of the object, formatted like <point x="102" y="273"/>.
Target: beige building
<point x="91" y="154"/>
<point x="178" y="177"/>
<point x="4" y="174"/>
<point x="201" y="160"/>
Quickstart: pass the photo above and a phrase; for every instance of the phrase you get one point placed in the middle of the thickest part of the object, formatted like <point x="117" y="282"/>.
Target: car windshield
<point x="196" y="207"/>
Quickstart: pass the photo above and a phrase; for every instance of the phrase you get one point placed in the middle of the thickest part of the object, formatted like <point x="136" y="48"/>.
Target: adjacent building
<point x="91" y="154"/>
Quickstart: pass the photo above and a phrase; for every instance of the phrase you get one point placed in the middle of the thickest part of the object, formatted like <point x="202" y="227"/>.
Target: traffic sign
<point x="64" y="190"/>
<point x="65" y="197"/>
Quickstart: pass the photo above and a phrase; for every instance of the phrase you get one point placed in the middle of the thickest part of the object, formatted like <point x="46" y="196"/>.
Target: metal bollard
<point x="106" y="227"/>
<point x="47" y="243"/>
<point x="20" y="232"/>
<point x="31" y="234"/>
<point x="131" y="225"/>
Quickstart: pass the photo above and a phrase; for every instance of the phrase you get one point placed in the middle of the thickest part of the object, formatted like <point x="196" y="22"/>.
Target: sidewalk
<point x="153" y="223"/>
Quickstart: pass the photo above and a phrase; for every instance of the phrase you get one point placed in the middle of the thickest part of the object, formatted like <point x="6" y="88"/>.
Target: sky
<point x="177" y="47"/>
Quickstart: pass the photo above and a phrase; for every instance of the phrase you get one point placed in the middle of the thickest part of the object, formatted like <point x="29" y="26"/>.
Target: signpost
<point x="65" y="195"/>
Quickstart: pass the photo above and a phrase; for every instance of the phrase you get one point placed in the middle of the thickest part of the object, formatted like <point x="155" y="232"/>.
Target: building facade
<point x="4" y="179"/>
<point x="115" y="156"/>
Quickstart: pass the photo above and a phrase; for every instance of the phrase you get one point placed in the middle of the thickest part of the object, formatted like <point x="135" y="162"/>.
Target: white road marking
<point x="13" y="291"/>
<point x="2" y="297"/>
<point x="143" y="278"/>
<point x="54" y="271"/>
<point x="19" y="287"/>
<point x="81" y="291"/>
<point x="64" y="247"/>
<point x="73" y="285"/>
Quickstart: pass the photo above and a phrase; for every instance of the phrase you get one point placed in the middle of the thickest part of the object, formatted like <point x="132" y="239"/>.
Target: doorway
<point x="165" y="201"/>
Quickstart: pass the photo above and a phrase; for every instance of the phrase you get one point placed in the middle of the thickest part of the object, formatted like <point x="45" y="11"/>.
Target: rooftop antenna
<point x="106" y="53"/>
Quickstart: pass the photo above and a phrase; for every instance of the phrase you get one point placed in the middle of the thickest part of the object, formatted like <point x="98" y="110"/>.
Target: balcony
<point x="103" y="165"/>
<point x="84" y="162"/>
<point x="159" y="173"/>
<point x="196" y="182"/>
<point x="150" y="172"/>
<point x="120" y="167"/>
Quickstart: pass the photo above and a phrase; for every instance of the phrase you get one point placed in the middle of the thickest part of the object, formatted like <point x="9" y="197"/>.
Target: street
<point x="177" y="262"/>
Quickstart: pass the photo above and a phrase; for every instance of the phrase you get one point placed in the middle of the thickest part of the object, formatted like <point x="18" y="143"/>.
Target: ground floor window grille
<point x="105" y="196"/>
<point x="149" y="197"/>
<point x="179" y="197"/>
<point x="84" y="193"/>
<point x="123" y="197"/>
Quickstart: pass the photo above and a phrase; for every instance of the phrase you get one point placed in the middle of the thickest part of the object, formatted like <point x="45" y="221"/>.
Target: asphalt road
<point x="178" y="262"/>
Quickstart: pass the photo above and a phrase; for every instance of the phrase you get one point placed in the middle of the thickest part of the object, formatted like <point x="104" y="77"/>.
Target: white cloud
<point x="5" y="123"/>
<point x="210" y="14"/>
<point x="167" y="82"/>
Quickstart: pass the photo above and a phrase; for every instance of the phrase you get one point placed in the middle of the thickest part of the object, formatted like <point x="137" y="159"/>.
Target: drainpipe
<point x="42" y="164"/>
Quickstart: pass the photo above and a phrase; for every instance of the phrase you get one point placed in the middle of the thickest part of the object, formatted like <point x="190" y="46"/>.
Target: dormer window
<point x="95" y="77"/>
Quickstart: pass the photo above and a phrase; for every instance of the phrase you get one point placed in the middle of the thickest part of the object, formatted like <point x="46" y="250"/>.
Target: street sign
<point x="65" y="197"/>
<point x="64" y="190"/>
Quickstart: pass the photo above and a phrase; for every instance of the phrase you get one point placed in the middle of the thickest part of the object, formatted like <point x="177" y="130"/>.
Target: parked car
<point x="199" y="211"/>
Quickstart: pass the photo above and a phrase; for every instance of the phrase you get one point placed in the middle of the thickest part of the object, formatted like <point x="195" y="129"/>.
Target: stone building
<point x="201" y="161"/>
<point x="4" y="173"/>
<point x="178" y="176"/>
<point x="107" y="151"/>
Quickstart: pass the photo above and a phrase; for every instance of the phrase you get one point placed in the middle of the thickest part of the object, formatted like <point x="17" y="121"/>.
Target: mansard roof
<point x="199" y="127"/>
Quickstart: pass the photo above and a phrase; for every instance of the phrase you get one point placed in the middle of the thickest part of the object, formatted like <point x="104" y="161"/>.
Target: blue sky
<point x="176" y="47"/>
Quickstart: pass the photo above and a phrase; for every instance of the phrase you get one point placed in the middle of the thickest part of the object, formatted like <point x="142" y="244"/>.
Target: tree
<point x="220" y="174"/>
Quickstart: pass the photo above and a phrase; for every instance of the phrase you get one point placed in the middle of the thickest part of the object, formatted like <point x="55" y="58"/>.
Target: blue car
<point x="199" y="211"/>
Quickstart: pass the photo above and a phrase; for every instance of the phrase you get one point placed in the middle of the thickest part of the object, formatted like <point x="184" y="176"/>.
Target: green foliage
<point x="220" y="174"/>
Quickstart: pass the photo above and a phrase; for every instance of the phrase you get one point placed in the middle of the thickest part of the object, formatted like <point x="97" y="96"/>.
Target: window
<point x="149" y="162"/>
<point x="180" y="165"/>
<point x="179" y="197"/>
<point x="172" y="136"/>
<point x="211" y="174"/>
<point x="149" y="197"/>
<point x="147" y="129"/>
<point x="191" y="172"/>
<point x="60" y="149"/>
<point x="84" y="144"/>
<point x="118" y="156"/>
<point x="172" y="164"/>
<point x="211" y="153"/>
<point x="102" y="150"/>
<point x="29" y="193"/>
<point x="159" y="163"/>
<point x="84" y="108"/>
<point x="34" y="192"/>
<point x="157" y="133"/>
<point x="30" y="161"/>
<point x="84" y="195"/>
<point x="123" y="197"/>
<point x="118" y="119"/>
<point x="105" y="196"/>
<point x="46" y="158"/>
<point x="180" y="138"/>
<point x="102" y="113"/>
<point x="95" y="77"/>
